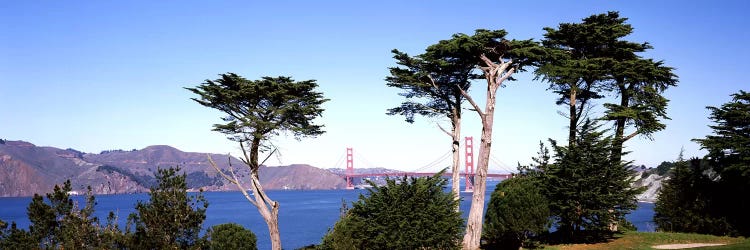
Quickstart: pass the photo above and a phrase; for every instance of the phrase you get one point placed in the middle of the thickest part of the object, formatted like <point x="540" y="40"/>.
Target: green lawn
<point x="639" y="240"/>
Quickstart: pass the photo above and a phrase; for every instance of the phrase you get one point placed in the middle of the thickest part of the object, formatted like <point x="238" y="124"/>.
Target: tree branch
<point x="444" y="131"/>
<point x="269" y="156"/>
<point x="232" y="179"/>
<point x="630" y="136"/>
<point x="471" y="100"/>
<point x="486" y="61"/>
<point x="245" y="160"/>
<point x="506" y="75"/>
<point x="260" y="192"/>
<point x="432" y="81"/>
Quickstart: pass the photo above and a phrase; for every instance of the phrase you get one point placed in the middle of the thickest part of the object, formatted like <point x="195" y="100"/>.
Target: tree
<point x="585" y="188"/>
<point x="574" y="66"/>
<point x="517" y="211"/>
<point x="432" y="83"/>
<point x="686" y="201"/>
<point x="497" y="58"/>
<point x="58" y="223"/>
<point x="171" y="218"/>
<point x="585" y="59"/>
<point x="231" y="236"/>
<point x="729" y="155"/>
<point x="15" y="238"/>
<point x="408" y="213"/>
<point x="257" y="110"/>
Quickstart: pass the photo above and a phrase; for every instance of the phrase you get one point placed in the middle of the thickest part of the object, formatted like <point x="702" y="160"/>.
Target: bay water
<point x="304" y="217"/>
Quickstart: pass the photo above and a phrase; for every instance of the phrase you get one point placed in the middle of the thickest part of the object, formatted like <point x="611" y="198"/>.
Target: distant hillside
<point x="26" y="169"/>
<point x="652" y="180"/>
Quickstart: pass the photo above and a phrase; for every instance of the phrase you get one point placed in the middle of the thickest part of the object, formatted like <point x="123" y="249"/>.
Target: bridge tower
<point x="469" y="159"/>
<point x="349" y="168"/>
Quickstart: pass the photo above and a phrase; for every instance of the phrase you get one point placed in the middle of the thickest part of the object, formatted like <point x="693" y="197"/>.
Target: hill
<point x="26" y="169"/>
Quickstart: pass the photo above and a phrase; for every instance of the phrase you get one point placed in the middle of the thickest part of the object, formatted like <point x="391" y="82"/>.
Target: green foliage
<point x="58" y="223"/>
<point x="586" y="189"/>
<point x="171" y="218"/>
<point x="413" y="213"/>
<point x="14" y="238"/>
<point x="685" y="202"/>
<point x="517" y="212"/>
<point x="729" y="155"/>
<point x="231" y="236"/>
<point x="257" y="109"/>
<point x="716" y="204"/>
<point x="664" y="167"/>
<point x="432" y="83"/>
<point x="588" y="58"/>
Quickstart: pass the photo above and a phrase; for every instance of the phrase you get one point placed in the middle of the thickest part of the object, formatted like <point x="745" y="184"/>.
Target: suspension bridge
<point x="468" y="175"/>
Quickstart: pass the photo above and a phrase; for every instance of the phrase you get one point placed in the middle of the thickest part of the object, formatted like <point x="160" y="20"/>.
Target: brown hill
<point x="26" y="169"/>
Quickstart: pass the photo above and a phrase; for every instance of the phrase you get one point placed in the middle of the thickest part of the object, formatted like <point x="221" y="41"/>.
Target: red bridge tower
<point x="349" y="168"/>
<point x="469" y="159"/>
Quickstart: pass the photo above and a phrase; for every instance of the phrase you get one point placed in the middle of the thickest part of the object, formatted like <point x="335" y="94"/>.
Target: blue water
<point x="304" y="216"/>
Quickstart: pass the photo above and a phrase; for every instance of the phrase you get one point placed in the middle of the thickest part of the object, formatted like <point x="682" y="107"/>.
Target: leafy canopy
<point x="257" y="109"/>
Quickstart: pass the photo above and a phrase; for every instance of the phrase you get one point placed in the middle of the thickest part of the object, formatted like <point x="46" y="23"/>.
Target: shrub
<point x="406" y="213"/>
<point x="517" y="212"/>
<point x="231" y="236"/>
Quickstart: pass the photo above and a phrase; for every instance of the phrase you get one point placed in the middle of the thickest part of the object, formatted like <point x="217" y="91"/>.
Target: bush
<point x="413" y="213"/>
<point x="231" y="236"/>
<point x="517" y="212"/>
<point x="171" y="218"/>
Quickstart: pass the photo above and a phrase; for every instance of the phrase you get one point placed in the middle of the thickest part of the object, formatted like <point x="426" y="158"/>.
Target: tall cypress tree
<point x="729" y="155"/>
<point x="586" y="59"/>
<point x="587" y="190"/>
<point x="686" y="201"/>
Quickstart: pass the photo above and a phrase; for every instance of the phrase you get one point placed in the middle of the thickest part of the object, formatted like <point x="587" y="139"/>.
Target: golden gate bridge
<point x="468" y="174"/>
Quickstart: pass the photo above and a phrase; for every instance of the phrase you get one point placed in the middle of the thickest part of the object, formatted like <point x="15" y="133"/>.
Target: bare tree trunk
<point x="495" y="73"/>
<point x="456" y="177"/>
<point x="268" y="209"/>
<point x="474" y="222"/>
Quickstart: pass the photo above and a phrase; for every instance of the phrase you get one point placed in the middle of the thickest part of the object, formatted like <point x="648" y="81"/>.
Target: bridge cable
<point x="364" y="160"/>
<point x="434" y="162"/>
<point x="501" y="164"/>
<point x="339" y="161"/>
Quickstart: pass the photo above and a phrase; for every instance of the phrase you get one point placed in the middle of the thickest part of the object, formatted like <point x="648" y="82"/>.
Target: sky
<point x="102" y="75"/>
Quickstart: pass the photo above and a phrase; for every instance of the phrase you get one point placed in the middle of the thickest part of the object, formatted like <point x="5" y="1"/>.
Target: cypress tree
<point x="587" y="191"/>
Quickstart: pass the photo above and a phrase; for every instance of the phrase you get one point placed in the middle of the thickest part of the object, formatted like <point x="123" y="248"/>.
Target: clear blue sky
<point x="98" y="75"/>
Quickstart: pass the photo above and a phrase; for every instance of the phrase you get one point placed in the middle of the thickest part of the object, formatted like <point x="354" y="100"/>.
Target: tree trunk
<point x="262" y="201"/>
<point x="472" y="238"/>
<point x="474" y="222"/>
<point x="270" y="215"/>
<point x="456" y="177"/>
<point x="619" y="139"/>
<point x="495" y="73"/>
<point x="573" y="117"/>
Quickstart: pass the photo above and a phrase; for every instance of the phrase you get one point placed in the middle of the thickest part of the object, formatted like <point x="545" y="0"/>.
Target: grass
<point x="641" y="240"/>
